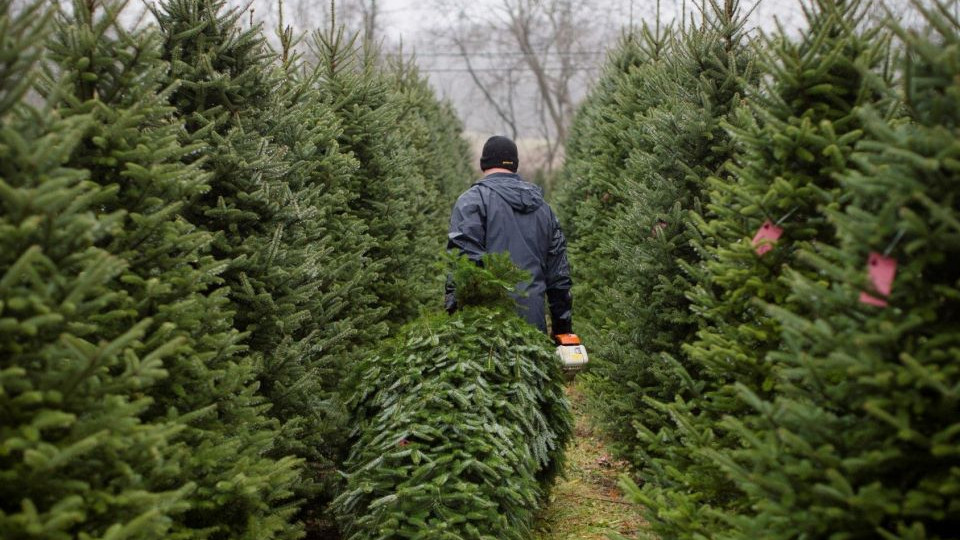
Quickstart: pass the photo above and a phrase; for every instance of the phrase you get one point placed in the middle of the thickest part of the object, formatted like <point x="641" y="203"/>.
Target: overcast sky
<point x="415" y="23"/>
<point x="410" y="19"/>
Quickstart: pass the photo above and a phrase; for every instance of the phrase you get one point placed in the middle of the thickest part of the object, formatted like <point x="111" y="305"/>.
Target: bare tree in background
<point x="528" y="59"/>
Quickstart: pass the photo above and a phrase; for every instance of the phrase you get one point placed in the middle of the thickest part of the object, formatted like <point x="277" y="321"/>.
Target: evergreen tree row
<point x="199" y="237"/>
<point x="776" y="354"/>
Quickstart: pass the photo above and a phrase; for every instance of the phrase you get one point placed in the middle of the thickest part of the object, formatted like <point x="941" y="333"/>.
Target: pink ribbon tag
<point x="657" y="227"/>
<point x="766" y="237"/>
<point x="881" y="270"/>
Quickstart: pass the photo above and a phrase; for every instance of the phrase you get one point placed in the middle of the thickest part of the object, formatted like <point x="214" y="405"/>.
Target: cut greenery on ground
<point x="587" y="504"/>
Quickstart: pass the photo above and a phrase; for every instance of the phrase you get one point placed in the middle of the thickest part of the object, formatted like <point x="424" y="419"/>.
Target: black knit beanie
<point x="499" y="152"/>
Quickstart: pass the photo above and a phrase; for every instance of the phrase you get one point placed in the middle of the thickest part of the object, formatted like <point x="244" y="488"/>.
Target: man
<point x="501" y="213"/>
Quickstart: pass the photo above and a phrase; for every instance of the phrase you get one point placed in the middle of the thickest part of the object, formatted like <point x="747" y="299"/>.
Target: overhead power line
<point x="502" y="70"/>
<point x="507" y="53"/>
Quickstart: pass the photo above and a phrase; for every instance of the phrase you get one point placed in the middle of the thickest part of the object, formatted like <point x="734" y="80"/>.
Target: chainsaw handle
<point x="567" y="339"/>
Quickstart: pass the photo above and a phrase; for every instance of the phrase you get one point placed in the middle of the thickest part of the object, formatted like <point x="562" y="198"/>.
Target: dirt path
<point x="587" y="504"/>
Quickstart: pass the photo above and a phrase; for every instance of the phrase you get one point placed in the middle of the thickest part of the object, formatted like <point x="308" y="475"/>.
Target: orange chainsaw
<point x="572" y="353"/>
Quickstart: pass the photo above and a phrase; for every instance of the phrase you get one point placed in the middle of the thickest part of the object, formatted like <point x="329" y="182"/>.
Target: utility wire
<point x="507" y="53"/>
<point x="502" y="70"/>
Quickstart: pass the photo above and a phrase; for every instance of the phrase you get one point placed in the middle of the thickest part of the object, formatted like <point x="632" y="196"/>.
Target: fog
<point x="469" y="48"/>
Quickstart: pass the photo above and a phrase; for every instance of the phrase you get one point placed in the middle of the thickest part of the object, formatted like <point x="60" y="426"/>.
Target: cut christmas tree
<point x="462" y="421"/>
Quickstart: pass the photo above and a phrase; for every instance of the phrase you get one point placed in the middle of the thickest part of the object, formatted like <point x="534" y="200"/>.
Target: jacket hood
<point x="522" y="196"/>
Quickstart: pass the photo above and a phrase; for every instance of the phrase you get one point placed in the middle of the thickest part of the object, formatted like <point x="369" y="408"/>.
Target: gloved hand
<point x="561" y="326"/>
<point x="561" y="310"/>
<point x="449" y="296"/>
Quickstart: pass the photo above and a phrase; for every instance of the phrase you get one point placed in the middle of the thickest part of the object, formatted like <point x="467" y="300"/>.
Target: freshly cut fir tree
<point x="462" y="421"/>
<point x="861" y="438"/>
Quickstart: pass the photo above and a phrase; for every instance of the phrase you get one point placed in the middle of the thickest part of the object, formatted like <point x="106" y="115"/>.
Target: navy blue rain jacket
<point x="501" y="213"/>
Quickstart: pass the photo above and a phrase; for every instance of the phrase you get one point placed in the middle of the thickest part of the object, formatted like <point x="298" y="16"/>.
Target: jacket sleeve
<point x="559" y="283"/>
<point x="468" y="231"/>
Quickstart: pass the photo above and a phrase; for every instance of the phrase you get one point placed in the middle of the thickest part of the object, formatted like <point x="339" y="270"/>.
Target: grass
<point x="587" y="504"/>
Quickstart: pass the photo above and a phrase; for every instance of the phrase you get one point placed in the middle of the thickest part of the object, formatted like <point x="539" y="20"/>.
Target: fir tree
<point x="860" y="441"/>
<point x="590" y="192"/>
<point x="228" y="95"/>
<point x="389" y="193"/>
<point x="677" y="145"/>
<point x="797" y="134"/>
<point x="436" y="135"/>
<point x="321" y="284"/>
<point x="78" y="365"/>
<point x="462" y="421"/>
